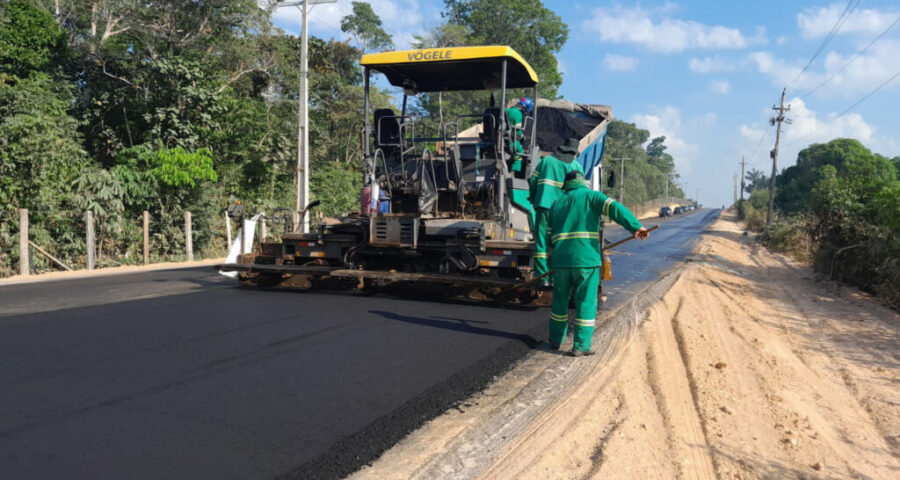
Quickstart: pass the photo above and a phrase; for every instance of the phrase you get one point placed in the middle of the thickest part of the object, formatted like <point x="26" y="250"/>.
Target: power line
<point x="834" y="30"/>
<point x="853" y="58"/>
<point x="851" y="107"/>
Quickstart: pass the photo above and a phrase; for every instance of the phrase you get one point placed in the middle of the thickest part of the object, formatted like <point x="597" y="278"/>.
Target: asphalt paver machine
<point x="445" y="207"/>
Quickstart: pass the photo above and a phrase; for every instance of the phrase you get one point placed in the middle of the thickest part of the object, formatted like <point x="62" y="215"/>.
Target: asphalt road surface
<point x="181" y="374"/>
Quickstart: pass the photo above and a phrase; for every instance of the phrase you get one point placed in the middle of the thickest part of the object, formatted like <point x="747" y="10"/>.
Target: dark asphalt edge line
<point x="365" y="446"/>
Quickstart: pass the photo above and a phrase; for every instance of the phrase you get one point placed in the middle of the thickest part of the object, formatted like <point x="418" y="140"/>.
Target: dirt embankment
<point x="748" y="368"/>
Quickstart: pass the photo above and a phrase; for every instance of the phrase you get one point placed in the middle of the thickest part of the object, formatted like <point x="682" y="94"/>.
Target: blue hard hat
<point x="526" y="103"/>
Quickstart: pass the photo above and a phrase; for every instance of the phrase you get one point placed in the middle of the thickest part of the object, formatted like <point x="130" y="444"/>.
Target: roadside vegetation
<point x="118" y="108"/>
<point x="839" y="209"/>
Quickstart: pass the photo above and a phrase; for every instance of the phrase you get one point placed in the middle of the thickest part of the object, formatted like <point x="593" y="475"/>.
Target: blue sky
<point x="706" y="73"/>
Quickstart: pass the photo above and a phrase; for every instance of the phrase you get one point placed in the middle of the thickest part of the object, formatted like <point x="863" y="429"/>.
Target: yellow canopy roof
<point x="455" y="68"/>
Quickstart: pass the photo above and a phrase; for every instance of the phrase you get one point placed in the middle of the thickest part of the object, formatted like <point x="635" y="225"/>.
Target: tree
<point x="444" y="35"/>
<point x="864" y="173"/>
<point x="646" y="177"/>
<point x="756" y="180"/>
<point x="365" y="28"/>
<point x="29" y="39"/>
<point x="656" y="150"/>
<point x="534" y="31"/>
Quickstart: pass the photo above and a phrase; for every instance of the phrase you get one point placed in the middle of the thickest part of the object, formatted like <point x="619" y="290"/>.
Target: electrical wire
<point x="851" y="107"/>
<point x="853" y="58"/>
<point x="851" y="6"/>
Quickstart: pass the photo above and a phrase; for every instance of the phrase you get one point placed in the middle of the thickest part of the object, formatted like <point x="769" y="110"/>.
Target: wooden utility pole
<point x="89" y="238"/>
<point x="621" y="161"/>
<point x="146" y="237"/>
<point x="667" y="188"/>
<point x="188" y="237"/>
<point x="24" y="251"/>
<point x="742" y="177"/>
<point x="774" y="154"/>
<point x="734" y="178"/>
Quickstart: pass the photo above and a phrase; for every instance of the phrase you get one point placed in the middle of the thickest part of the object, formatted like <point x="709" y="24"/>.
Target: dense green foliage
<point x="843" y="202"/>
<point x="648" y="169"/>
<point x="526" y="25"/>
<point x="753" y="210"/>
<point x="117" y="108"/>
<point x="534" y="31"/>
<point x="120" y="108"/>
<point x="365" y="27"/>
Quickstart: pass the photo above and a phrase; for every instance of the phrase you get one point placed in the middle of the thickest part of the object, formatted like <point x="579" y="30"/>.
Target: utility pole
<point x="621" y="161"/>
<point x="742" y="177"/>
<point x="774" y="154"/>
<point x="734" y="178"/>
<point x="302" y="177"/>
<point x="667" y="189"/>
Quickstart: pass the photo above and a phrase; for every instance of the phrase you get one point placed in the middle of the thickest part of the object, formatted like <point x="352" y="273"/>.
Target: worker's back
<point x="548" y="179"/>
<point x="575" y="227"/>
<point x="575" y="224"/>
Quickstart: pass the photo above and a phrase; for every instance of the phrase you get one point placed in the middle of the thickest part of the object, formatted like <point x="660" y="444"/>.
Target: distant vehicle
<point x="679" y="210"/>
<point x="665" y="211"/>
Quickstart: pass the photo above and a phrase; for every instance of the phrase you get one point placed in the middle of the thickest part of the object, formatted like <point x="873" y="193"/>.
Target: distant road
<point x="180" y="374"/>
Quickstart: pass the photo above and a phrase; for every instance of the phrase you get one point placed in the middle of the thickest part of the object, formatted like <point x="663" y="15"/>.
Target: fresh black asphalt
<point x="181" y="374"/>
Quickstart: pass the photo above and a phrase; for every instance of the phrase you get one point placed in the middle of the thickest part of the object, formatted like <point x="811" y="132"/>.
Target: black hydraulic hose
<point x="351" y="252"/>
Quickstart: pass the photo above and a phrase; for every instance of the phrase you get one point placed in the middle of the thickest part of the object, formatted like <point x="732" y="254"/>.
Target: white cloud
<point x="720" y="87"/>
<point x="750" y="133"/>
<point x="808" y="128"/>
<point x="620" y="63"/>
<point x="815" y="23"/>
<point x="401" y="18"/>
<point x="712" y="65"/>
<point x="781" y="40"/>
<point x="667" y="121"/>
<point x="667" y="35"/>
<point x="862" y="76"/>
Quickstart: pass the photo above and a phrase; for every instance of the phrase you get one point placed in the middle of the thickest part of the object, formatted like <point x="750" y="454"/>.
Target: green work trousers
<point x="582" y="283"/>
<point x="541" y="240"/>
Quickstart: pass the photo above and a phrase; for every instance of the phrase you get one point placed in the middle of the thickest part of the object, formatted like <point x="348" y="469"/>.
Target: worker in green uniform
<point x="544" y="188"/>
<point x="515" y="118"/>
<point x="576" y="259"/>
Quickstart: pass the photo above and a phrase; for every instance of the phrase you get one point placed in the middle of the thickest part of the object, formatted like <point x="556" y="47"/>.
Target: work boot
<point x="581" y="353"/>
<point x="554" y="346"/>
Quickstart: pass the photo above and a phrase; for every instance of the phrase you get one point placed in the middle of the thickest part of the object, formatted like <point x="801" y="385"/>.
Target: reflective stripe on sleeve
<point x="541" y="255"/>
<point x="559" y="318"/>
<point x="552" y="183"/>
<point x="585" y="322"/>
<point x="606" y="205"/>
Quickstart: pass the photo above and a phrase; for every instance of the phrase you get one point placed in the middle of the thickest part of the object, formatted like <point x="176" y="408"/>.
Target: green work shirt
<point x="575" y="227"/>
<point x="546" y="183"/>
<point x="514" y="117"/>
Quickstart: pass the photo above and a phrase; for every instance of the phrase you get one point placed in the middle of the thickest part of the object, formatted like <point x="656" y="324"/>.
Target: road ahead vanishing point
<point x="181" y="374"/>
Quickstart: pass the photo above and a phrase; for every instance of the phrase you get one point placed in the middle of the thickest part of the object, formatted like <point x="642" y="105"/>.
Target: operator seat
<point x="387" y="135"/>
<point x="490" y="121"/>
